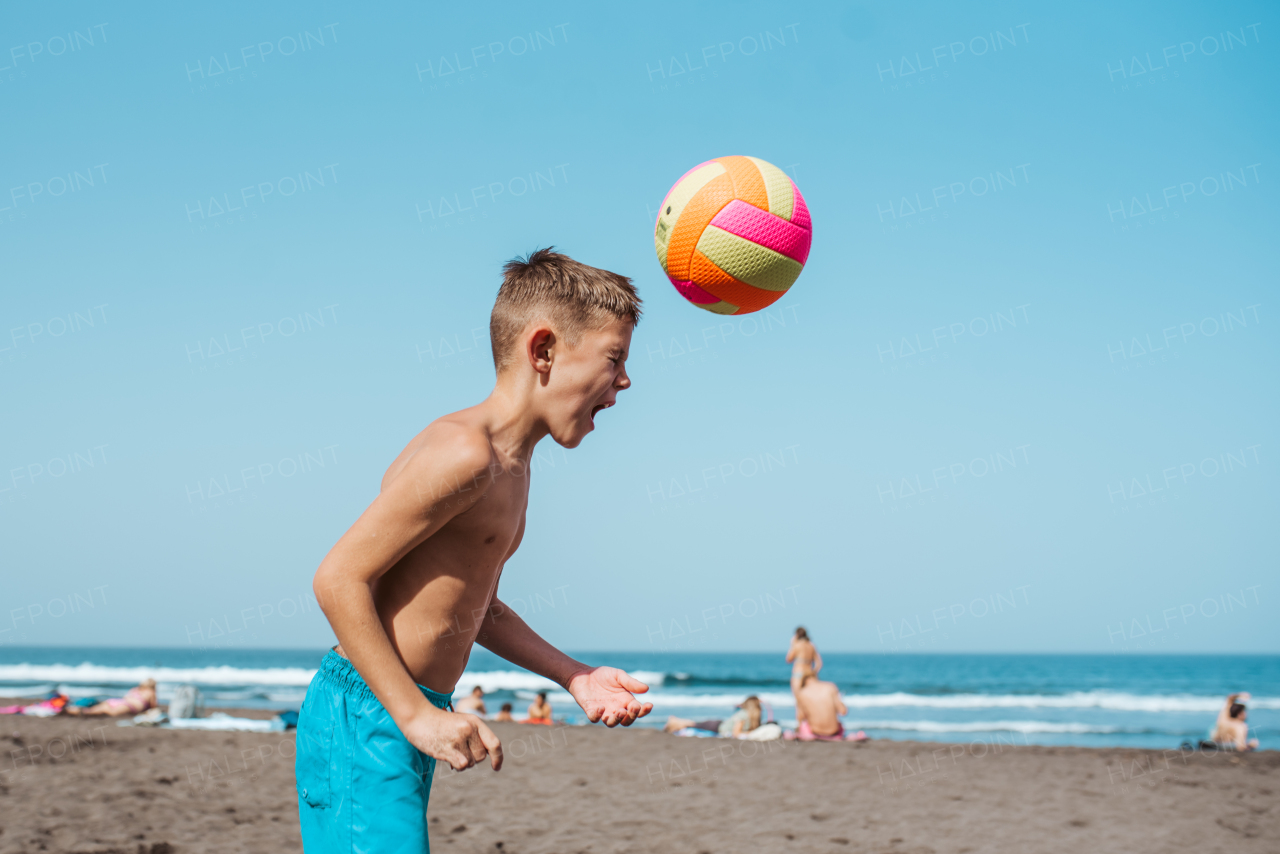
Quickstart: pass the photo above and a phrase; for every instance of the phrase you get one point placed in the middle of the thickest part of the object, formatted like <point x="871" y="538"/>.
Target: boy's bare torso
<point x="433" y="601"/>
<point x="821" y="701"/>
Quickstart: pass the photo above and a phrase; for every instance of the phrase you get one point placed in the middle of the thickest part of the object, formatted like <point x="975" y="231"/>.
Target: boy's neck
<point x="514" y="423"/>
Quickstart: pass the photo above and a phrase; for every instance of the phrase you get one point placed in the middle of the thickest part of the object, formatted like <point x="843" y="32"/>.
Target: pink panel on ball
<point x="765" y="229"/>
<point x="693" y="293"/>
<point x="800" y="216"/>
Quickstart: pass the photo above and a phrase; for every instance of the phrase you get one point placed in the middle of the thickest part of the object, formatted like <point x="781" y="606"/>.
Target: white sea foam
<point x="522" y="682"/>
<point x="26" y="690"/>
<point x="1111" y="701"/>
<point x="986" y="726"/>
<point x="662" y="699"/>
<point x="96" y="674"/>
<point x="1114" y="701"/>
<point x="289" y="682"/>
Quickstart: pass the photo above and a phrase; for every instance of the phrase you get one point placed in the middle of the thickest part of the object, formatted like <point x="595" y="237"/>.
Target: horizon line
<point x="772" y="651"/>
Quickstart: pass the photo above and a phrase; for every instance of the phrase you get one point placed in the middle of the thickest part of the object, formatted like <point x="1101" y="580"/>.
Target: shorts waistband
<point x="341" y="673"/>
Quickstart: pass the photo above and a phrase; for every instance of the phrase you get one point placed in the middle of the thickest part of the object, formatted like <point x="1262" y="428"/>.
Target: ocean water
<point x="1091" y="700"/>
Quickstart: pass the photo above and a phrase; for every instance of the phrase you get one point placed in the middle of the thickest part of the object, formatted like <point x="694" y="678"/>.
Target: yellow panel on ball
<point x="673" y="205"/>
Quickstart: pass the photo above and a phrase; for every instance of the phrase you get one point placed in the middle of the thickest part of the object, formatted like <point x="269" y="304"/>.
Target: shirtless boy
<point x="818" y="710"/>
<point x="414" y="582"/>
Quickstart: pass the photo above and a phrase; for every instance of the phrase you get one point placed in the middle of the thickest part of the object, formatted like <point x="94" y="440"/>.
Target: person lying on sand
<point x="539" y="711"/>
<point x="504" y="714"/>
<point x="818" y="710"/>
<point x="135" y="701"/>
<point x="53" y="705"/>
<point x="1231" y="729"/>
<point x="472" y="703"/>
<point x="675" y="724"/>
<point x="744" y="720"/>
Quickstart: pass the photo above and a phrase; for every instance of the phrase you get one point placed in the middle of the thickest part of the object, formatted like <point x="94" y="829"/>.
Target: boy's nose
<point x="623" y="380"/>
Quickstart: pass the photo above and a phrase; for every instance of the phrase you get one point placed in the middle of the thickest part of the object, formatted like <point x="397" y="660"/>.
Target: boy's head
<point x="563" y="329"/>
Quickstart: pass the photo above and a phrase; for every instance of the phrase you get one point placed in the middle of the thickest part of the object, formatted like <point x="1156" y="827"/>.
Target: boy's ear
<point x="540" y="345"/>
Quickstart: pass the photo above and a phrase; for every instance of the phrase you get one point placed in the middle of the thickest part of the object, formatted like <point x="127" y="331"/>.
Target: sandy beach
<point x="91" y="787"/>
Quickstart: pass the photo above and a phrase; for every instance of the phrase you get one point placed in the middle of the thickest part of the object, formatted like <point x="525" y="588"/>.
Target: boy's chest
<point x="496" y="521"/>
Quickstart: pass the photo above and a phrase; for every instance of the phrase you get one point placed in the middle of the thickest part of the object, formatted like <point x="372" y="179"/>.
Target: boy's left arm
<point x="604" y="693"/>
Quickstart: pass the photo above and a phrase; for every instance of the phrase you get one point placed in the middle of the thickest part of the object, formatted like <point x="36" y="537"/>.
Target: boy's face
<point x="585" y="380"/>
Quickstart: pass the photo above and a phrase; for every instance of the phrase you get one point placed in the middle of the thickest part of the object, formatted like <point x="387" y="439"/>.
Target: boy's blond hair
<point x="571" y="296"/>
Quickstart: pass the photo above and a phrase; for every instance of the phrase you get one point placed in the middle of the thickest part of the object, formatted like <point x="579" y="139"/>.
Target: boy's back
<point x="413" y="583"/>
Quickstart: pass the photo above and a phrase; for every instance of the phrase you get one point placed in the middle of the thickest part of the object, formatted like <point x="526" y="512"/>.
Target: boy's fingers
<point x="635" y="686"/>
<point x="459" y="761"/>
<point x="476" y="747"/>
<point x="491" y="744"/>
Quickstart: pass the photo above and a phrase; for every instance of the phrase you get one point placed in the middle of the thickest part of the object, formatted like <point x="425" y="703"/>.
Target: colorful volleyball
<point x="733" y="234"/>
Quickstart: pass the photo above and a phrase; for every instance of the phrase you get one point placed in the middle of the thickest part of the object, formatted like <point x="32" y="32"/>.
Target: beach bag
<point x="187" y="702"/>
<point x="764" y="732"/>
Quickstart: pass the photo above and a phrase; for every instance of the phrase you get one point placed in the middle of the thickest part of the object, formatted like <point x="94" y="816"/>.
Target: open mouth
<point x="597" y="408"/>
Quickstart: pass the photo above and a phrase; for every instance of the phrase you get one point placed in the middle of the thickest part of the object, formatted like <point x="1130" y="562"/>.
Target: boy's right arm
<point x="438" y="482"/>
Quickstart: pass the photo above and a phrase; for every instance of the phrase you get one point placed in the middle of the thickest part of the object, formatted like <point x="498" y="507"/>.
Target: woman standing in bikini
<point x="804" y="659"/>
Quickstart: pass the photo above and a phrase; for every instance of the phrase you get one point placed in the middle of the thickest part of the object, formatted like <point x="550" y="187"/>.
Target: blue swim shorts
<point x="362" y="787"/>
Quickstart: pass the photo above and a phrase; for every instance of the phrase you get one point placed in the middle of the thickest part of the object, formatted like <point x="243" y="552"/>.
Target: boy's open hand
<point x="460" y="739"/>
<point x="605" y="693"/>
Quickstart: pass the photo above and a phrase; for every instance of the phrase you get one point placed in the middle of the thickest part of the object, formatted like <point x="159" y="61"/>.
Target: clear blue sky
<point x="1032" y="359"/>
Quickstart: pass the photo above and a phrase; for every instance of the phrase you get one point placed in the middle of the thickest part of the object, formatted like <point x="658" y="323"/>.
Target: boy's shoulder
<point x="452" y="446"/>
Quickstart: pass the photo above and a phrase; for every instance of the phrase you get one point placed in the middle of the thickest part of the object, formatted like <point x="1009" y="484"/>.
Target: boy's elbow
<point x="322" y="587"/>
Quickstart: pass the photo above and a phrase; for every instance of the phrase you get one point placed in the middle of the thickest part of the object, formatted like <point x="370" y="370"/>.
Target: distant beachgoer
<point x="504" y="714"/>
<point x="746" y="719"/>
<point x="135" y="701"/>
<point x="472" y="703"/>
<point x="1231" y="729"/>
<point x="539" y="710"/>
<point x="674" y="724"/>
<point x="54" y="704"/>
<point x="818" y="710"/>
<point x="803" y="657"/>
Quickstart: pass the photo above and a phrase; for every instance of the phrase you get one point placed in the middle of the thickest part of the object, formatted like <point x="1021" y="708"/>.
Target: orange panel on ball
<point x="748" y="183"/>
<point x="718" y="283"/>
<point x="695" y="217"/>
